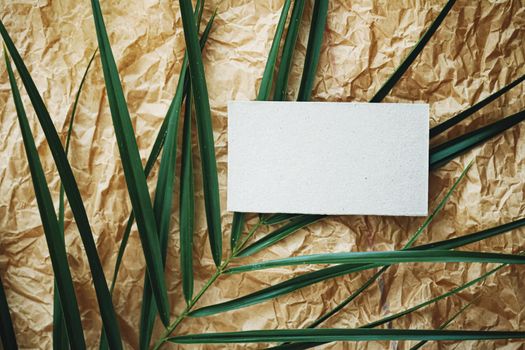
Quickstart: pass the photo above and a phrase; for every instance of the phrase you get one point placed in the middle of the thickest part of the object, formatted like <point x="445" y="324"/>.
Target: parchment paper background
<point x="479" y="48"/>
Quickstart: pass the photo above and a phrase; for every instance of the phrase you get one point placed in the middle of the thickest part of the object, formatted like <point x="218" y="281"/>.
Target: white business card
<point x="328" y="158"/>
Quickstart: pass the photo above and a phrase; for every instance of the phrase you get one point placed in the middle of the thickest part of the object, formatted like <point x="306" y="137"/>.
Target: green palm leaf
<point x="55" y="243"/>
<point x="133" y="171"/>
<point x="281" y="84"/>
<point x="280" y="234"/>
<point x="449" y="150"/>
<point x="204" y="131"/>
<point x="267" y="78"/>
<point x="237" y="226"/>
<point x="398" y="73"/>
<point x="60" y="340"/>
<point x="330" y="334"/>
<point x="447" y="124"/>
<point x="313" y="49"/>
<point x="384" y="258"/>
<point x="187" y="208"/>
<point x="7" y="332"/>
<point x="107" y="312"/>
<point x="275" y="219"/>
<point x="314" y="277"/>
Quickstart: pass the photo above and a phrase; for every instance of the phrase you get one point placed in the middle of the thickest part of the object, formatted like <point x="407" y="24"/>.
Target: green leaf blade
<point x="447" y="124"/>
<point x="385" y="258"/>
<point x="279" y="218"/>
<point x="133" y="171"/>
<point x="330" y="334"/>
<point x="313" y="49"/>
<point x="267" y="78"/>
<point x="187" y="206"/>
<point x="449" y="150"/>
<point x="237" y="226"/>
<point x="204" y="131"/>
<point x="407" y="62"/>
<point x="280" y="234"/>
<point x="281" y="84"/>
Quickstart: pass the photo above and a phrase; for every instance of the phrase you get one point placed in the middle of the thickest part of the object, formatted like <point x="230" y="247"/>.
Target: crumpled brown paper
<point x="478" y="49"/>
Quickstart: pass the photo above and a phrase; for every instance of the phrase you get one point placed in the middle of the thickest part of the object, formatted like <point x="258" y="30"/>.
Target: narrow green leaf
<point x="445" y="324"/>
<point x="384" y="258"/>
<point x="133" y="171"/>
<point x="60" y="340"/>
<point x="447" y="151"/>
<point x="55" y="243"/>
<point x="280" y="234"/>
<point x="314" y="277"/>
<point x="447" y="124"/>
<point x="107" y="312"/>
<point x="187" y="208"/>
<point x="267" y="78"/>
<point x="313" y="49"/>
<point x="237" y="226"/>
<point x="164" y="190"/>
<point x="331" y="334"/>
<point x="281" y="84"/>
<point x="398" y="73"/>
<point x="204" y="131"/>
<point x="473" y="237"/>
<point x="7" y="332"/>
<point x="275" y="219"/>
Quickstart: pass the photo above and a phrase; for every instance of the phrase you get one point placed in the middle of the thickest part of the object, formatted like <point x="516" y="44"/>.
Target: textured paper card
<point x="328" y="158"/>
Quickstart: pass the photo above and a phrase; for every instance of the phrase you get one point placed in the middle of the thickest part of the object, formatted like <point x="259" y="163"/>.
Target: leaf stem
<point x="207" y="285"/>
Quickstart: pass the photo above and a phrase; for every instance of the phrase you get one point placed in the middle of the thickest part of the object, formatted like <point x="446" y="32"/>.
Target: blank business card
<point x="328" y="158"/>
